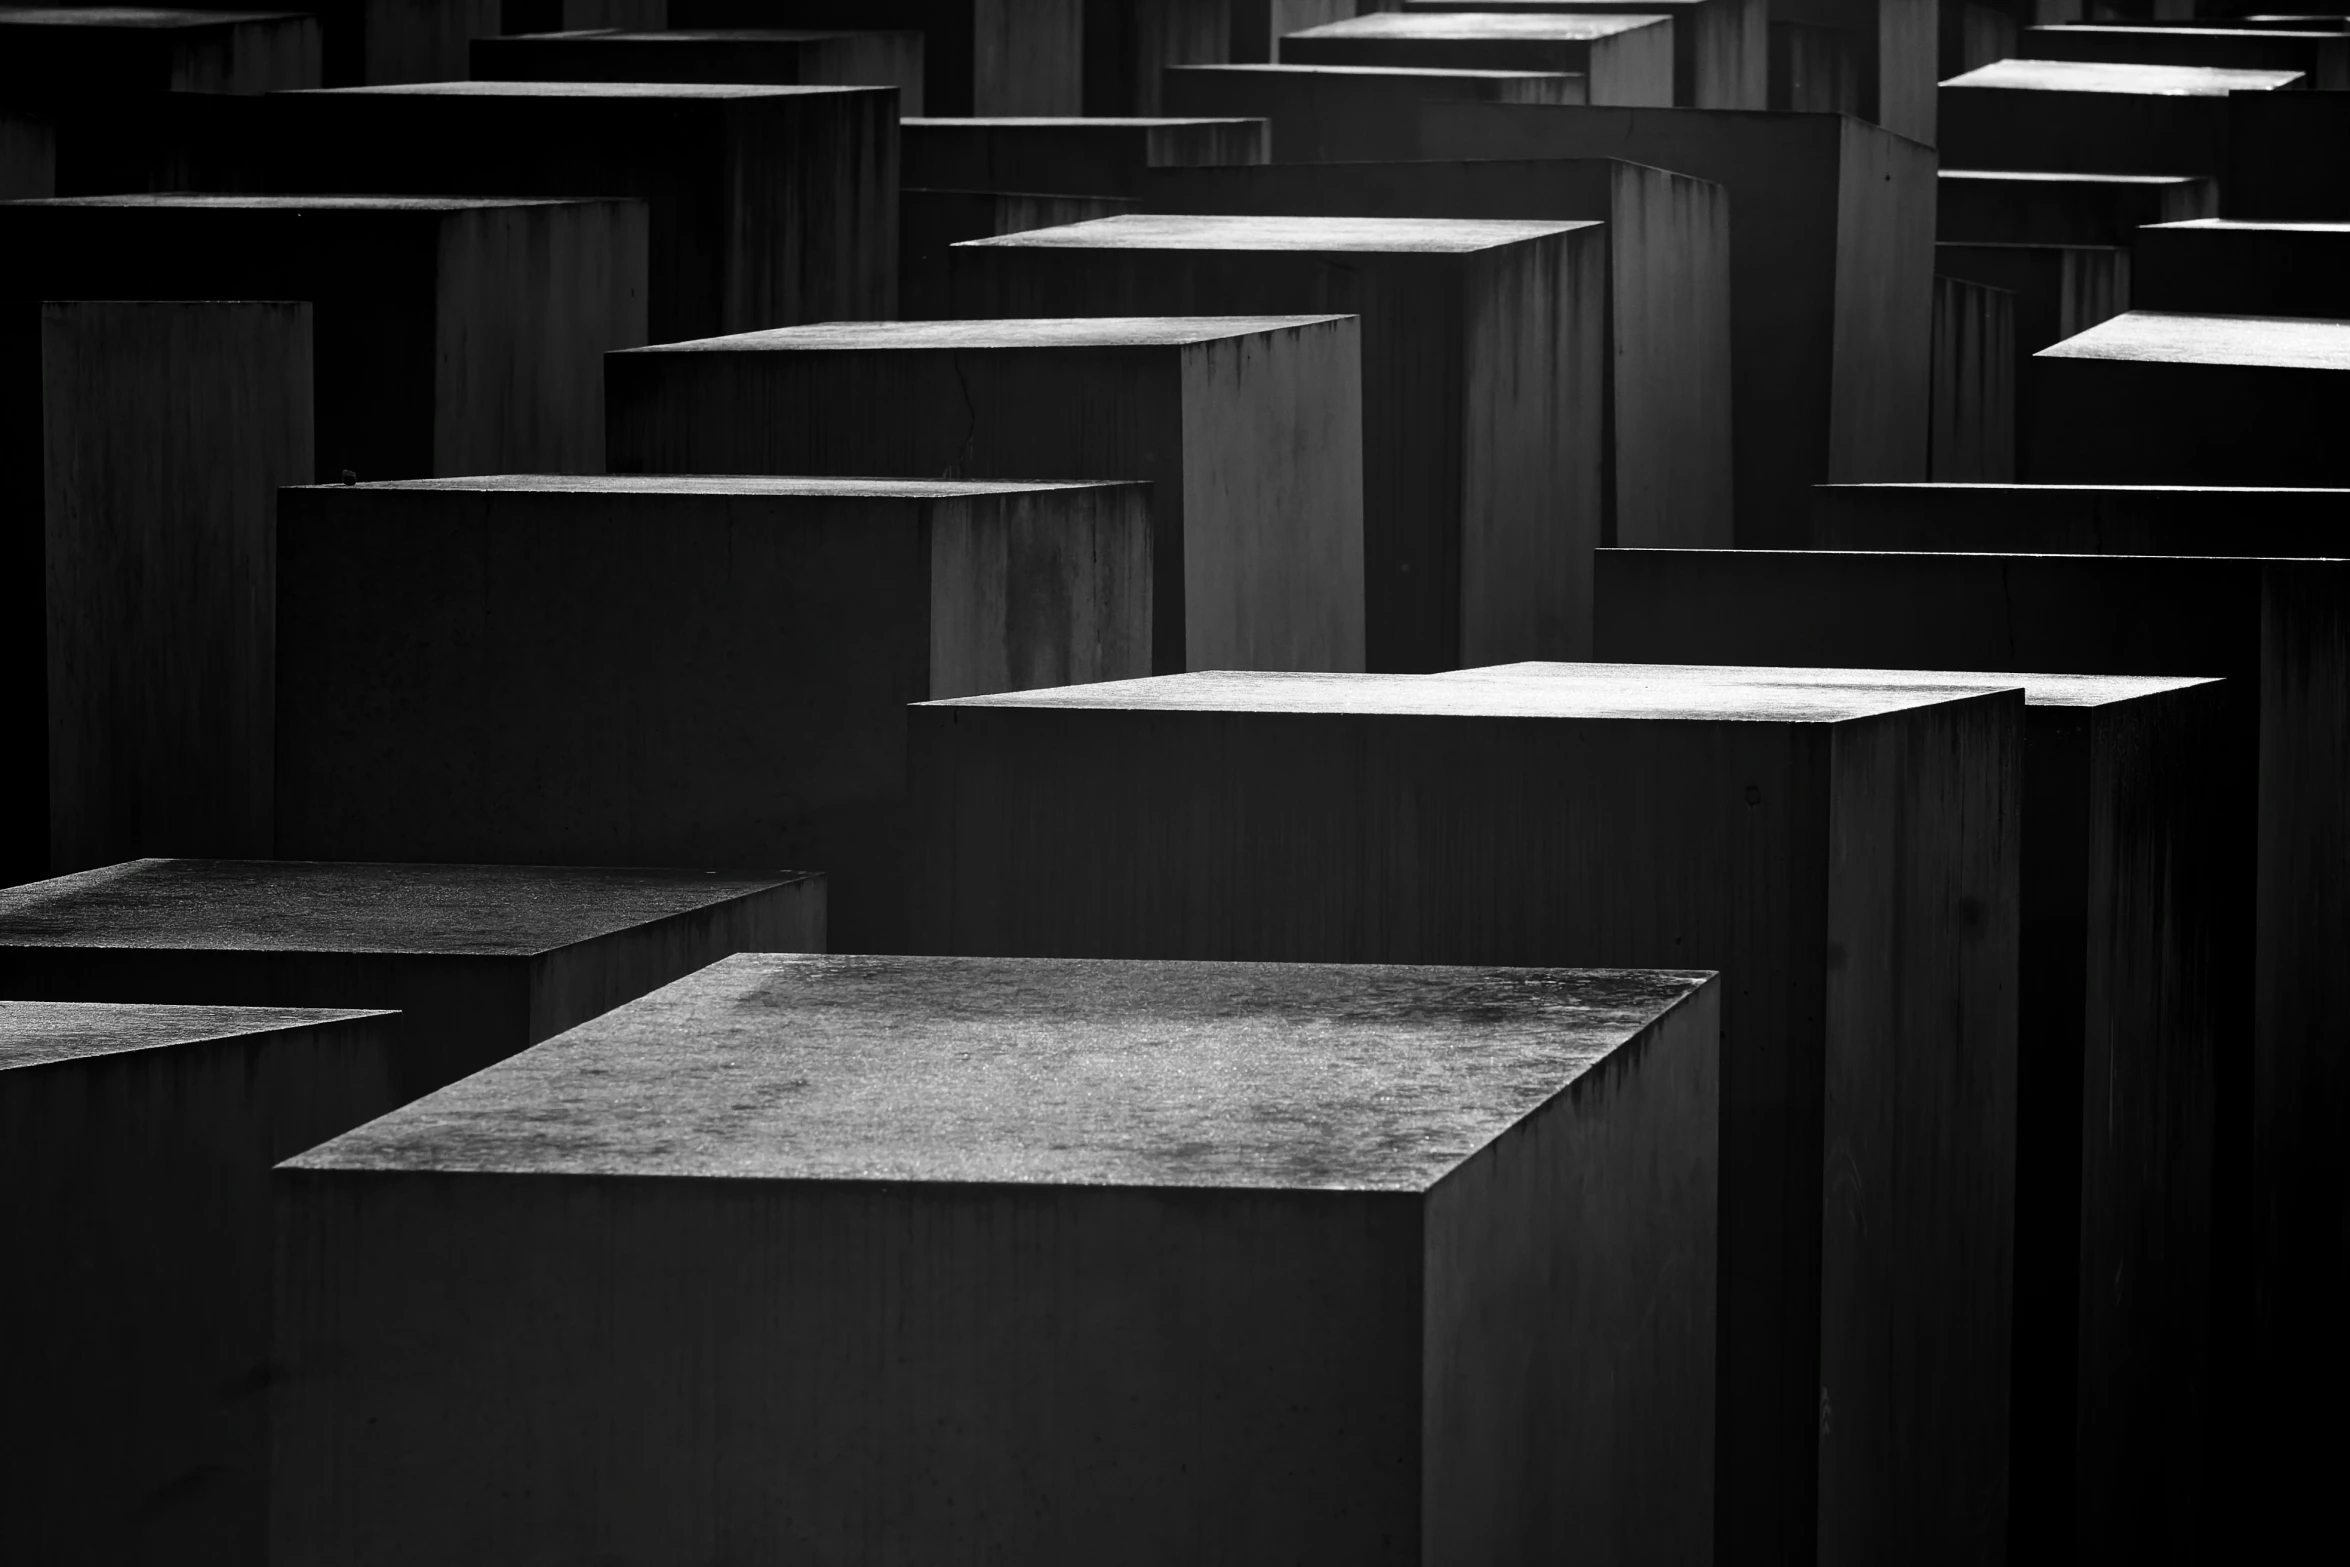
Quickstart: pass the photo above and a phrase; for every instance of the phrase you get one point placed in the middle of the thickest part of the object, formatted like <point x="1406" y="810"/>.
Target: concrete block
<point x="2023" y="207"/>
<point x="59" y="55"/>
<point x="1146" y="1262"/>
<point x="1666" y="477"/>
<point x="1249" y="430"/>
<point x="2098" y="117"/>
<point x="1891" y="48"/>
<point x="1973" y="435"/>
<point x="143" y="446"/>
<point x="1813" y="70"/>
<point x="28" y="156"/>
<point x="1257" y="25"/>
<point x="480" y="961"/>
<point x="453" y="335"/>
<point x="2322" y="58"/>
<point x="553" y="671"/>
<point x="1325" y="113"/>
<point x="519" y="17"/>
<point x="2080" y="519"/>
<point x="1129" y="45"/>
<point x="1622" y="59"/>
<point x="1618" y="817"/>
<point x="772" y="57"/>
<point x="1721" y="48"/>
<point x="990" y="57"/>
<point x="2059" y="292"/>
<point x="2288" y="156"/>
<point x="1831" y="322"/>
<point x="1100" y="157"/>
<point x="929" y="221"/>
<point x="769" y="205"/>
<point x="136" y="1143"/>
<point x="2231" y="266"/>
<point x="2157" y="398"/>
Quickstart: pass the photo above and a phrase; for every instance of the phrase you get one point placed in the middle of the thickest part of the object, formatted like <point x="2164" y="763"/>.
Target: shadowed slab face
<point x="709" y="90"/>
<point x="2039" y="690"/>
<point x="37" y="1033"/>
<point x="1154" y="231"/>
<point x="158" y="19"/>
<point x="1448" y="25"/>
<point x="2167" y="81"/>
<point x="206" y="203"/>
<point x="1066" y="332"/>
<point x="721" y="484"/>
<point x="1288" y="69"/>
<point x="2153" y="336"/>
<point x="1073" y="122"/>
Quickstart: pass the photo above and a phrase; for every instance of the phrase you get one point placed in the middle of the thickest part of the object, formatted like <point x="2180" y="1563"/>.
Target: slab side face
<point x="1323" y="113"/>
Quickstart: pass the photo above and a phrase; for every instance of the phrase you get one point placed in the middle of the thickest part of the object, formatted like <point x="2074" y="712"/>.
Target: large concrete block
<point x="1889" y="50"/>
<point x="2098" y="117"/>
<point x="2023" y="207"/>
<point x="771" y="56"/>
<point x="1324" y="113"/>
<point x="28" y="155"/>
<point x="978" y="57"/>
<point x="1721" y="48"/>
<point x="54" y="55"/>
<point x="769" y="205"/>
<point x="1100" y="157"/>
<point x="1483" y="375"/>
<point x="2080" y="519"/>
<point x="930" y="221"/>
<point x="2059" y="292"/>
<point x="2322" y="58"/>
<point x="1622" y="59"/>
<point x="1249" y="429"/>
<point x="1258" y="25"/>
<point x="2288" y="156"/>
<point x="452" y="334"/>
<point x="1814" y="70"/>
<point x="1129" y="44"/>
<point x="1144" y="1262"/>
<point x="518" y="17"/>
<point x="1621" y="817"/>
<point x="479" y="960"/>
<point x="2233" y="267"/>
<point x="1831" y="280"/>
<point x="136" y="1143"/>
<point x="673" y="671"/>
<point x="1973" y="435"/>
<point x="2156" y="398"/>
<point x="1667" y="474"/>
<point x="141" y="451"/>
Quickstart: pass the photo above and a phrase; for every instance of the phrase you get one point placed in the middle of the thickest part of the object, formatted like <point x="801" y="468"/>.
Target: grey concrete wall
<point x="50" y="60"/>
<point x="2235" y="268"/>
<point x="931" y="220"/>
<point x="2063" y="115"/>
<point x="1086" y="157"/>
<point x="979" y="56"/>
<point x="2081" y="519"/>
<point x="1322" y="115"/>
<point x="28" y="157"/>
<point x="1629" y="63"/>
<point x="2323" y="57"/>
<point x="2285" y="157"/>
<point x="1721" y="48"/>
<point x="1130" y="43"/>
<point x="1893" y="52"/>
<point x="878" y="58"/>
<point x="1972" y="434"/>
<point x="1984" y="207"/>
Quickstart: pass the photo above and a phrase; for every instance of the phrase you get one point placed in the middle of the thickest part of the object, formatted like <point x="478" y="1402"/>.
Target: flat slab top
<point x="143" y="18"/>
<point x="1447" y="26"/>
<point x="2106" y="76"/>
<point x="1638" y="692"/>
<point x="2156" y="336"/>
<point x="178" y="201"/>
<point x="1157" y="231"/>
<point x="321" y="906"/>
<point x="1044" y="122"/>
<point x="1033" y="1072"/>
<point x="2039" y="690"/>
<point x="711" y="90"/>
<point x="42" y="1033"/>
<point x="1045" y="332"/>
<point x="2255" y="226"/>
<point x="1293" y="68"/>
<point x="747" y="485"/>
<point x="2056" y="177"/>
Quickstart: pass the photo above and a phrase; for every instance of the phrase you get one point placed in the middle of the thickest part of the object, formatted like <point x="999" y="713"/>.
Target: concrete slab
<point x="2288" y="157"/>
<point x="2152" y="397"/>
<point x="519" y="17"/>
<point x="929" y="221"/>
<point x="1077" y="157"/>
<point x="1890" y="48"/>
<point x="2024" y="207"/>
<point x="1973" y="433"/>
<point x="1831" y="308"/>
<point x="1814" y="70"/>
<point x="2099" y="117"/>
<point x="1484" y="362"/>
<point x="2081" y="519"/>
<point x="1130" y="44"/>
<point x="773" y="56"/>
<point x="2060" y="291"/>
<point x="142" y="447"/>
<point x="1721" y="48"/>
<point x="1249" y="430"/>
<point x="1257" y="25"/>
<point x="1322" y="113"/>
<point x="548" y="671"/>
<point x="28" y="156"/>
<point x="136" y="1143"/>
<point x="2243" y="268"/>
<point x="946" y="1225"/>
<point x="57" y="54"/>
<point x="1622" y="59"/>
<point x="1621" y="816"/>
<point x="1667" y="476"/>
<point x="452" y="334"/>
<point x="2323" y="58"/>
<point x="979" y="56"/>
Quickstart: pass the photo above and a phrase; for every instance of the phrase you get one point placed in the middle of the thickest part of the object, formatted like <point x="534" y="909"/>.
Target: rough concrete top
<point x="1045" y="332"/>
<point x="1073" y="122"/>
<point x="1156" y="231"/>
<point x="780" y="1067"/>
<point x="40" y="1033"/>
<point x="2039" y="690"/>
<point x="321" y="906"/>
<point x="2155" y="336"/>
<point x="2104" y="76"/>
<point x="2255" y="226"/>
<point x="1607" y="691"/>
<point x="144" y="18"/>
<point x="2059" y="177"/>
<point x="1554" y="27"/>
<point x="185" y="199"/>
<point x="1293" y="69"/>
<point x="743" y="484"/>
<point x="715" y="90"/>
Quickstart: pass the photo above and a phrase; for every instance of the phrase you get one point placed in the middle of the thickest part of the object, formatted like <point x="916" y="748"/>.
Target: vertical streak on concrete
<point x="1884" y="308"/>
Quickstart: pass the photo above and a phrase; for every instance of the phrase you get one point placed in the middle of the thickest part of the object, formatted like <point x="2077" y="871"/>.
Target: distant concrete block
<point x="929" y="221"/>
<point x="978" y="57"/>
<point x="1484" y="367"/>
<point x="2022" y="207"/>
<point x="2322" y="58"/>
<point x="1129" y="45"/>
<point x="1814" y="70"/>
<point x="28" y="156"/>
<point x="767" y="56"/>
<point x="1622" y="59"/>
<point x="136" y="1143"/>
<point x="2244" y="268"/>
<point x="2100" y="118"/>
<point x="519" y="17"/>
<point x="2288" y="157"/>
<point x="1325" y="113"/>
<point x="2059" y="292"/>
<point x="2080" y="519"/>
<point x="56" y="55"/>
<point x="1070" y="157"/>
<point x="1890" y="50"/>
<point x="453" y="335"/>
<point x="1223" y="1262"/>
<point x="673" y="671"/>
<point x="1257" y="25"/>
<point x="1721" y="48"/>
<point x="1974" y="382"/>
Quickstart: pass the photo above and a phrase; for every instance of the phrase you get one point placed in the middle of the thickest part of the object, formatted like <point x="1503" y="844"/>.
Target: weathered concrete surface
<point x="929" y="221"/>
<point x="1973" y="431"/>
<point x="136" y="1143"/>
<point x="1288" y="1210"/>
<point x="143" y="446"/>
<point x="2080" y="519"/>
<point x="774" y="56"/>
<point x="979" y="56"/>
<point x="2288" y="157"/>
<point x="479" y="960"/>
<point x="1483" y="374"/>
<point x="1079" y="157"/>
<point x="2059" y="292"/>
<point x="2156" y="398"/>
<point x="1814" y="70"/>
<point x="1721" y="48"/>
<point x="1622" y="59"/>
<point x="1129" y="44"/>
<point x="1325" y="113"/>
<point x="1667" y="452"/>
<point x="1258" y="25"/>
<point x="519" y="17"/>
<point x="1249" y="430"/>
<point x="673" y="671"/>
<point x="1622" y="817"/>
<point x="2231" y="266"/>
<point x="2102" y="118"/>
<point x="2021" y="207"/>
<point x="2322" y="58"/>
<point x="59" y="54"/>
<point x="1890" y="49"/>
<point x="1831" y="291"/>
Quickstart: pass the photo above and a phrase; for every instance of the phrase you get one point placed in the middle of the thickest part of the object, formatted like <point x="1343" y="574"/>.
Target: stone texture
<point x="771" y="56"/>
<point x="2100" y="118"/>
<point x="1326" y="113"/>
<point x="2080" y="519"/>
<point x="1622" y="59"/>
<point x="1082" y="157"/>
<point x="1721" y="48"/>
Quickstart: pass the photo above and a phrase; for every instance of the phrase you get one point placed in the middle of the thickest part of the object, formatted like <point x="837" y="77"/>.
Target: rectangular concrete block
<point x="2288" y="157"/>
<point x="673" y="671"/>
<point x="1831" y="323"/>
<point x="2059" y="292"/>
<point x="1667" y="477"/>
<point x="2023" y="207"/>
<point x="1080" y="157"/>
<point x="1973" y="436"/>
<point x="1152" y="1262"/>
<point x="1721" y="48"/>
<point x="452" y="334"/>
<point x="2097" y="117"/>
<point x="28" y="155"/>
<point x="143" y="446"/>
<point x="1249" y="430"/>
<point x="373" y="43"/>
<point x="2322" y="58"/>
<point x="136" y="1143"/>
<point x="55" y="55"/>
<point x="929" y="221"/>
<point x="978" y="56"/>
<point x="1622" y="59"/>
<point x="1258" y="25"/>
<point x="803" y="57"/>
<point x="2228" y="266"/>
<point x="1891" y="49"/>
<point x="2080" y="519"/>
<point x="1483" y="368"/>
<point x="1129" y="45"/>
<point x="1621" y="817"/>
<point x="517" y="18"/>
<point x="479" y="960"/>
<point x="1814" y="70"/>
<point x="1344" y="113"/>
